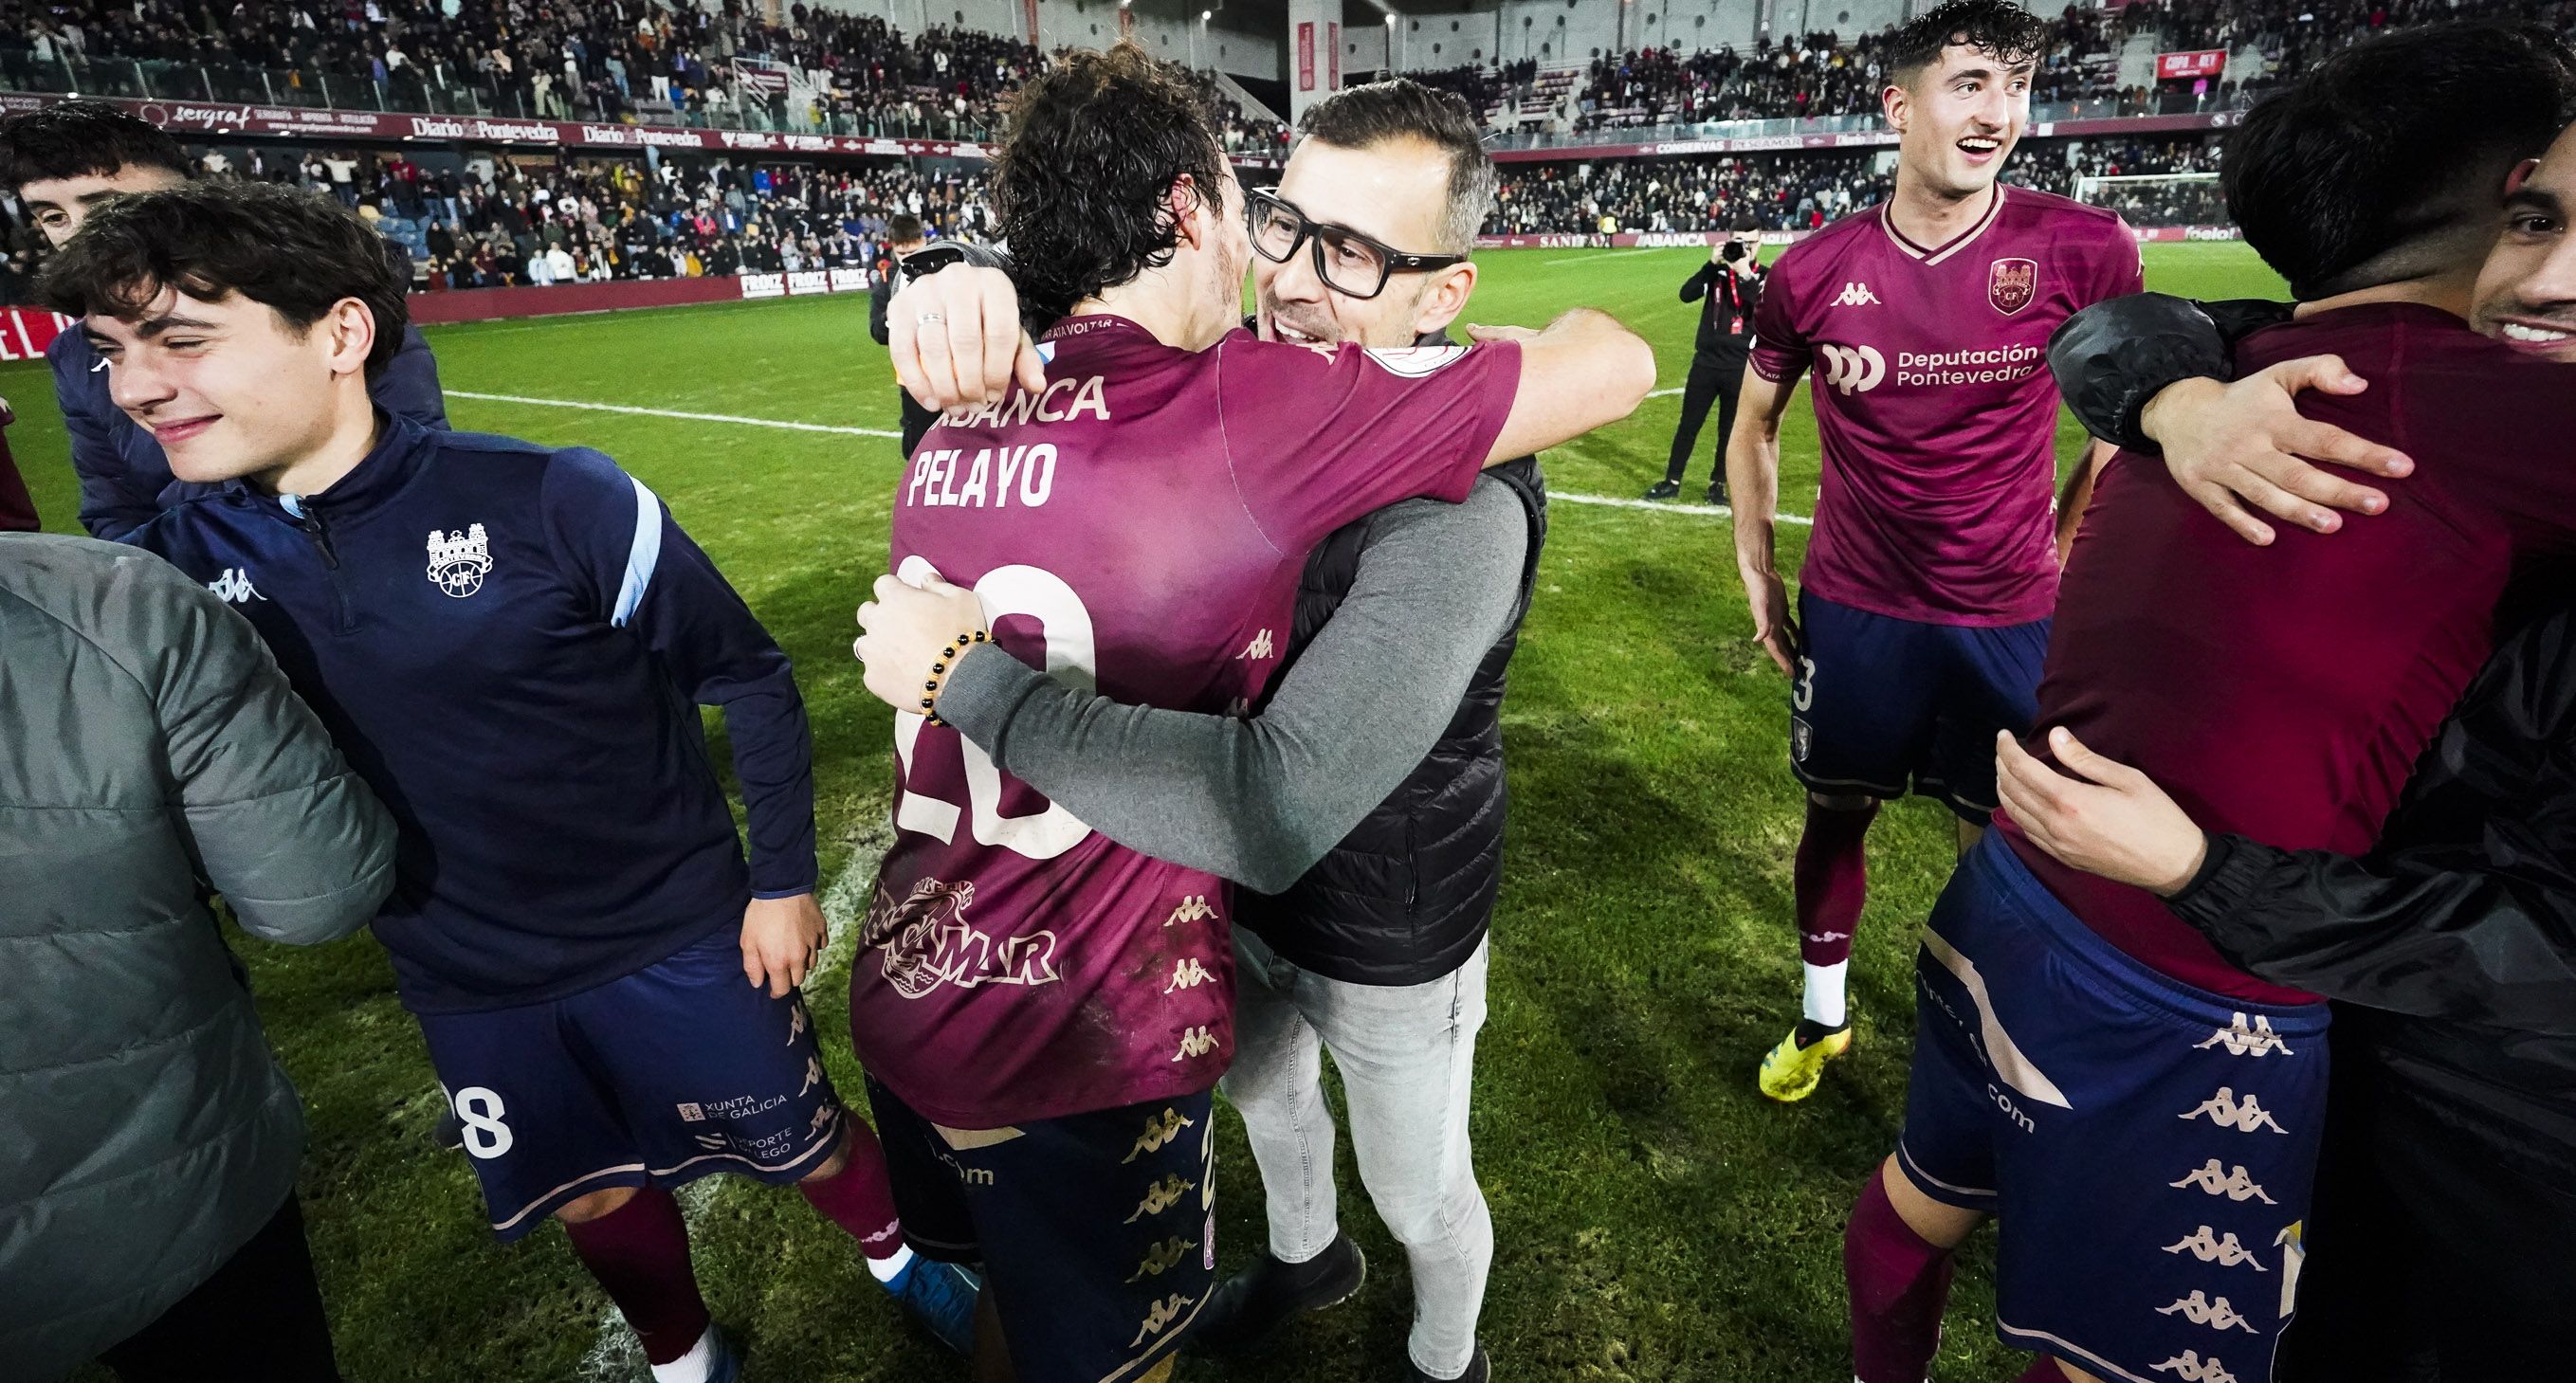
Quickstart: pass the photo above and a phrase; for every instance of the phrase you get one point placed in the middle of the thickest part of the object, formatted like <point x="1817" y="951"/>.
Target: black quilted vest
<point x="1408" y="894"/>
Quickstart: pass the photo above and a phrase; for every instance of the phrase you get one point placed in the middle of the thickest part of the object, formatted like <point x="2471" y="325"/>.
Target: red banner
<point x="1306" y="57"/>
<point x="26" y="331"/>
<point x="2185" y="66"/>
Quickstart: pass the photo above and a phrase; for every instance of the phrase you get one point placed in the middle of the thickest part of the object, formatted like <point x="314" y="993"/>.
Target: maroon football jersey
<point x="1139" y="526"/>
<point x="2285" y="692"/>
<point x="1934" y="405"/>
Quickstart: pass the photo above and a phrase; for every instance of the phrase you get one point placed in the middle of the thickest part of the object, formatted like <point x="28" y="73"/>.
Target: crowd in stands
<point x="1801" y="191"/>
<point x="718" y="64"/>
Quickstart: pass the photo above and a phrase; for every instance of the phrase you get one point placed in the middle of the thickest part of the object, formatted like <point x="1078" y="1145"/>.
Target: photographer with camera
<point x="1727" y="288"/>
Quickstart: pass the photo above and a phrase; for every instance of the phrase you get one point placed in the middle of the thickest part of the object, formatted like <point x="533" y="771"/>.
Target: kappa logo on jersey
<point x="2217" y="1315"/>
<point x="1159" y="1130"/>
<point x="1856" y="295"/>
<point x="928" y="942"/>
<point x="2258" y="1040"/>
<point x="2209" y="1246"/>
<point x="1195" y="1042"/>
<point x="1258" y="649"/>
<point x="1853" y="369"/>
<point x="2224" y="1110"/>
<point x="2236" y="1183"/>
<point x="813" y="1074"/>
<point x="797" y="1022"/>
<point x="1162" y="1258"/>
<point x="2011" y="284"/>
<point x="2192" y="1369"/>
<point x="458" y="561"/>
<point x="1167" y="1311"/>
<point x="825" y="1114"/>
<point x="234" y="587"/>
<point x="1187" y="973"/>
<point x="1161" y="1196"/>
<point x="1192" y="909"/>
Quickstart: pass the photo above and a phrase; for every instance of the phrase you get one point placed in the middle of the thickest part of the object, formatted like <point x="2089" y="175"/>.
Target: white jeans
<point x="1407" y="1057"/>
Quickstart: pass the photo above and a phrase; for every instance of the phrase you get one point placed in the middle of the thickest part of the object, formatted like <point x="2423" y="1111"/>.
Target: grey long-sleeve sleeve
<point x="1259" y="801"/>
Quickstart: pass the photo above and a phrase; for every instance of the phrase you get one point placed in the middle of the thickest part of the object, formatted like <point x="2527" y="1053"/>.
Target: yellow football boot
<point x="1790" y="1072"/>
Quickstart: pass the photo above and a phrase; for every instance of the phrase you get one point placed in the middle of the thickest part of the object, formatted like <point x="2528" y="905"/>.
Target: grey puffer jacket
<point x="149" y="749"/>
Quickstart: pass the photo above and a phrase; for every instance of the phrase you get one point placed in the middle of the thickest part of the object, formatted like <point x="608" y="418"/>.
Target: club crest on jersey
<point x="459" y="560"/>
<point x="2011" y="284"/>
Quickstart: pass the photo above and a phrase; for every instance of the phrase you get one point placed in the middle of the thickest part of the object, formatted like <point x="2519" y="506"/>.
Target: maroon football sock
<point x="1899" y="1283"/>
<point x="861" y="1198"/>
<point x="639" y="1253"/>
<point x="1830" y="880"/>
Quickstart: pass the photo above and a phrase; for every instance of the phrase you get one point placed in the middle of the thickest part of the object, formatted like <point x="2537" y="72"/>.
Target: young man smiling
<point x="606" y="988"/>
<point x="1363" y="807"/>
<point x="1924" y="597"/>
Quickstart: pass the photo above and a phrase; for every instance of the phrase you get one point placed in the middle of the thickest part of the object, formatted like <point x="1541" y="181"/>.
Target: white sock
<point x="888" y="1269"/>
<point x="1825" y="1006"/>
<point x="693" y="1366"/>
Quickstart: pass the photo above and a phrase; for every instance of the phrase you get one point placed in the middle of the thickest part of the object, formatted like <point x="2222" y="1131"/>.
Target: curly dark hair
<point x="2013" y="35"/>
<point x="1081" y="188"/>
<point x="295" y="252"/>
<point x="74" y="138"/>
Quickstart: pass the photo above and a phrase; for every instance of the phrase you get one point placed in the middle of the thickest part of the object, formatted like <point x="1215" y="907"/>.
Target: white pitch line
<point x="1663" y="393"/>
<point x="1602" y="500"/>
<point x="1597" y="255"/>
<point x="1694" y="511"/>
<point x="615" y="1356"/>
<point x="674" y="413"/>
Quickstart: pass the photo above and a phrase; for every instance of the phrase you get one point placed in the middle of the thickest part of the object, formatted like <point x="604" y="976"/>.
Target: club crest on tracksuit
<point x="459" y="560"/>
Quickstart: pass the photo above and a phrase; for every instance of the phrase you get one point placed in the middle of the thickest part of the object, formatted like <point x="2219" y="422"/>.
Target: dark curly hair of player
<point x="298" y="253"/>
<point x="1082" y="186"/>
<point x="2387" y="160"/>
<point x="2013" y="36"/>
<point x="75" y="138"/>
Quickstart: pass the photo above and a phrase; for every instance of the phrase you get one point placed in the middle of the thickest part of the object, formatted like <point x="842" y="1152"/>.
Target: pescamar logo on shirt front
<point x="458" y="561"/>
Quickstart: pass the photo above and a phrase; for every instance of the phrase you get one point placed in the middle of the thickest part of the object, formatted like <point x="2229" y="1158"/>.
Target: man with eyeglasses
<point x="1363" y="807"/>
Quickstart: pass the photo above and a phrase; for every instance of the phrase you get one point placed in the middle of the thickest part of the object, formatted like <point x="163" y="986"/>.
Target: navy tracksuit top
<point x="510" y="643"/>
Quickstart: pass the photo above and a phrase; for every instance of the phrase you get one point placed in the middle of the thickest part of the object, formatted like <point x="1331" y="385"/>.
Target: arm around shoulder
<point x="1585" y="371"/>
<point x="288" y="833"/>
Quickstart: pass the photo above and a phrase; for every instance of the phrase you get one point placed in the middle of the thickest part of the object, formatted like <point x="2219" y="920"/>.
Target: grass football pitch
<point x="1655" y="1218"/>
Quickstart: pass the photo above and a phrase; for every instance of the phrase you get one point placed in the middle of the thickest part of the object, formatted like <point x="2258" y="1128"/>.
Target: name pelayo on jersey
<point x="1137" y="525"/>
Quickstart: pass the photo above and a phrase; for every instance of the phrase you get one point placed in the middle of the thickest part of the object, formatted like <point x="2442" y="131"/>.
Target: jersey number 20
<point x="1071" y="653"/>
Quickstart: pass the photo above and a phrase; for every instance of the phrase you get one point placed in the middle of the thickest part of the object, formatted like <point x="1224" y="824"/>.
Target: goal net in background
<point x="2158" y="199"/>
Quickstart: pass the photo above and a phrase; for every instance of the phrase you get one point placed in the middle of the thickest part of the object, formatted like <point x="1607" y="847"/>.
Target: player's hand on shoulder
<point x="956" y="339"/>
<point x="782" y="938"/>
<point x="2244" y="450"/>
<point x="2099" y="816"/>
<point x="1480" y="333"/>
<point x="911" y="636"/>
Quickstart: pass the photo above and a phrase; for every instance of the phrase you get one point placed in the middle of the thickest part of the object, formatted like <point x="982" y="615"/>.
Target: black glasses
<point x="1348" y="262"/>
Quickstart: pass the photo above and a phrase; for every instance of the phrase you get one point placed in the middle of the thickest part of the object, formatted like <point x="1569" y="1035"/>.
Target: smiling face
<point x="1395" y="192"/>
<point x="1958" y="118"/>
<point x="227" y="387"/>
<point x="2526" y="295"/>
